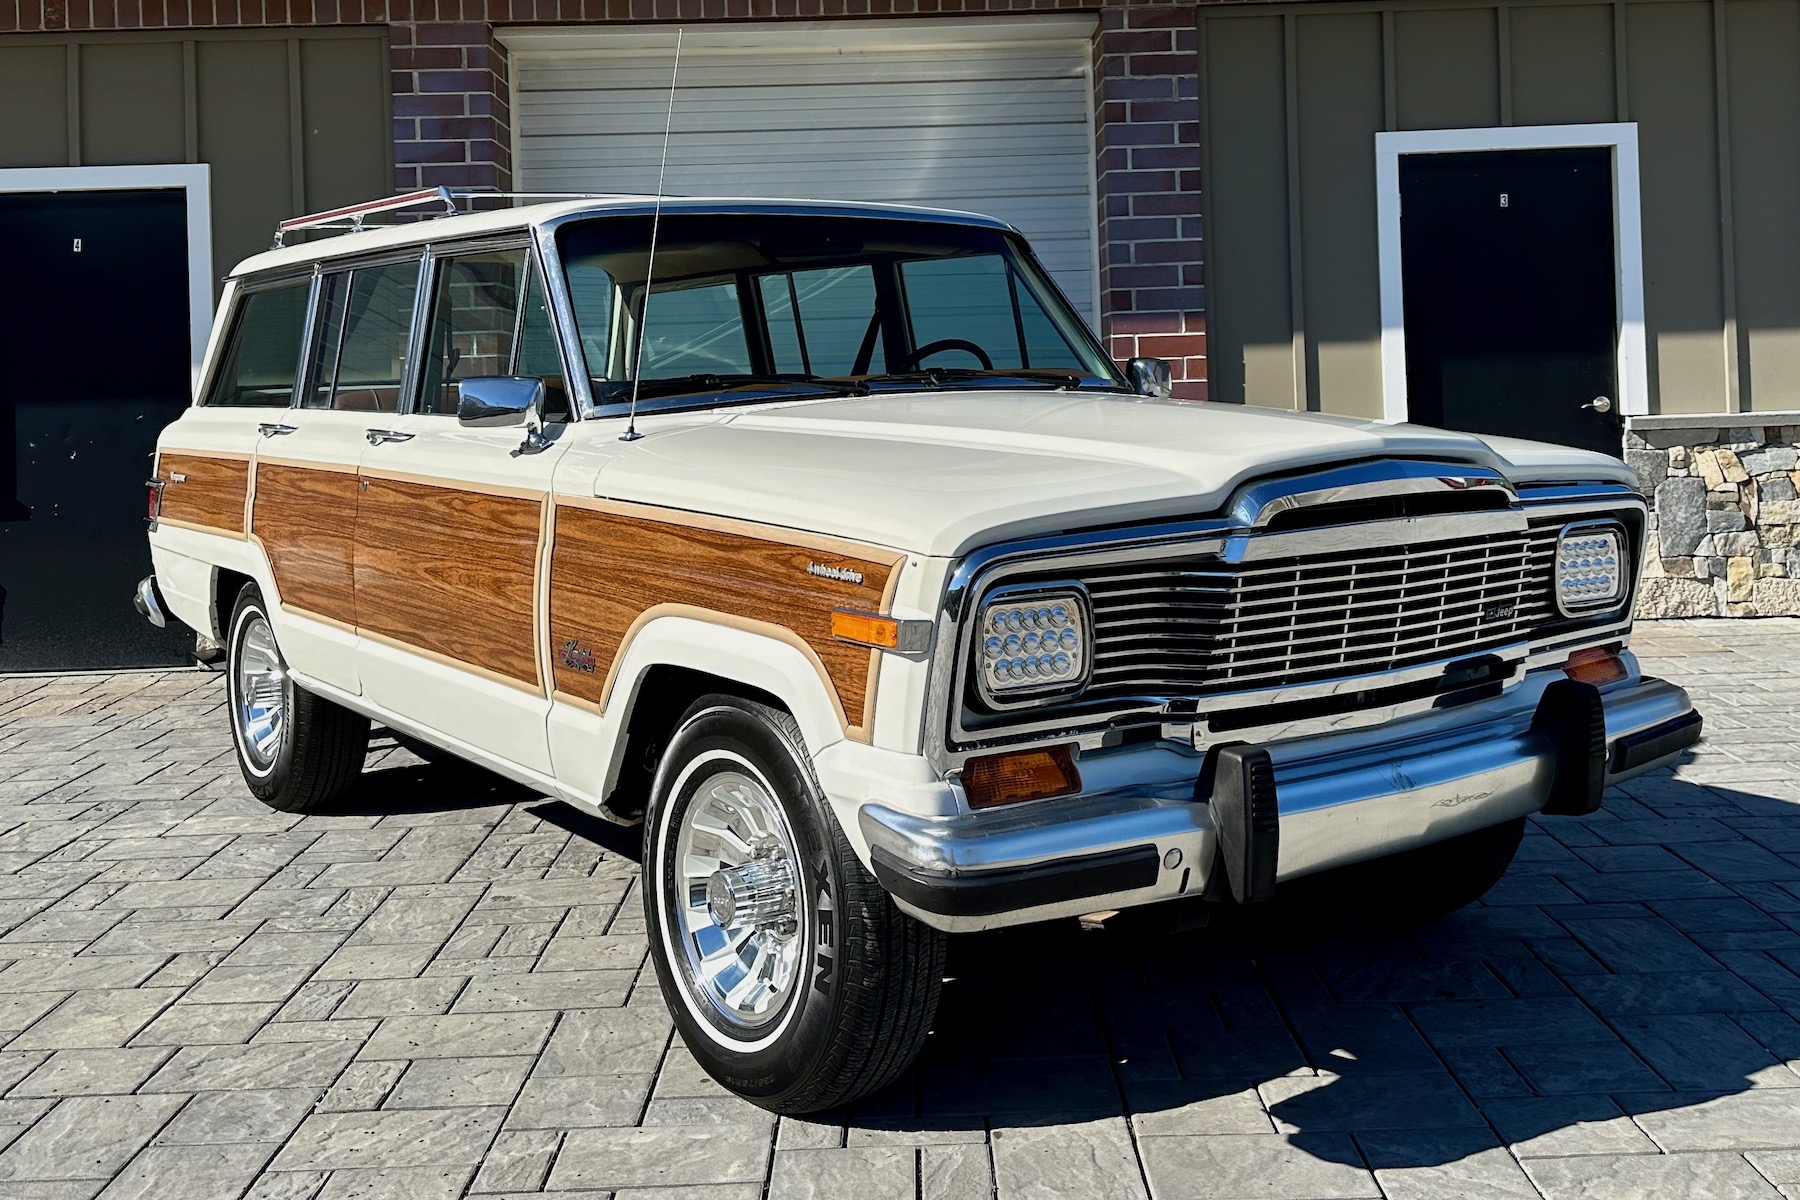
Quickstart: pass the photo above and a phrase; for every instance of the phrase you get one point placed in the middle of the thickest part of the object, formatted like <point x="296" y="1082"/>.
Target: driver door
<point x="452" y="527"/>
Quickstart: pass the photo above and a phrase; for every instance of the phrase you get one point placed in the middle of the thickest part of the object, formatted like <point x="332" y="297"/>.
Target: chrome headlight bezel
<point x="1034" y="595"/>
<point x="1624" y="566"/>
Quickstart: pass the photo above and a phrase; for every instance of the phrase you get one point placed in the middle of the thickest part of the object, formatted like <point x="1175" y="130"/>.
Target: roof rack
<point x="350" y="218"/>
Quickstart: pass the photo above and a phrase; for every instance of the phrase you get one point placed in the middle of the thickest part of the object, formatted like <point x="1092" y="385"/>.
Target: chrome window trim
<point x="947" y="745"/>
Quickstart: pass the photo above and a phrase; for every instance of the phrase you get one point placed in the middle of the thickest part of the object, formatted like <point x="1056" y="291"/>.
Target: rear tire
<point x="1435" y="880"/>
<point x="792" y="976"/>
<point x="298" y="752"/>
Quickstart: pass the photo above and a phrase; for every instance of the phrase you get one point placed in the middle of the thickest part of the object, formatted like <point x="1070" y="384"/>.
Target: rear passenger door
<point x="307" y="489"/>
<point x="452" y="526"/>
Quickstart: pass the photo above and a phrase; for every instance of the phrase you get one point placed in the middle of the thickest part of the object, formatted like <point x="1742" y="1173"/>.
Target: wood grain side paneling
<point x="608" y="568"/>
<point x="204" y="491"/>
<point x="450" y="571"/>
<point x="305" y="518"/>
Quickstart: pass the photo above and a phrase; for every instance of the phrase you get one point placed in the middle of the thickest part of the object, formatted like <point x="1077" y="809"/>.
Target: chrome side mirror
<point x="502" y="401"/>
<point x="497" y="401"/>
<point x="1151" y="377"/>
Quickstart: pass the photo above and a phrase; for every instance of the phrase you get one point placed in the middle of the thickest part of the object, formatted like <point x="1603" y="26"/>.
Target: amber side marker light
<point x="1014" y="778"/>
<point x="1597" y="665"/>
<point x="883" y="633"/>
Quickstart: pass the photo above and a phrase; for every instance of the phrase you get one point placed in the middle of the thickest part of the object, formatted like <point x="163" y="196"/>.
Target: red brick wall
<point x="451" y="121"/>
<point x="452" y="125"/>
<point x="1147" y="142"/>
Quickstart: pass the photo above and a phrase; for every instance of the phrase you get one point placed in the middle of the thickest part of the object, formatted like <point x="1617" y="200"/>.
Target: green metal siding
<point x="1713" y="86"/>
<point x="289" y="120"/>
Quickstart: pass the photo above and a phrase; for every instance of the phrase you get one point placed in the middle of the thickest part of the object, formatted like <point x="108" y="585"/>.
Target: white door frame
<point x="1628" y="241"/>
<point x="194" y="180"/>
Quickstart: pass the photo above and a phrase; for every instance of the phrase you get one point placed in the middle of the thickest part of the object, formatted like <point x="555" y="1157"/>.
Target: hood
<point x="939" y="473"/>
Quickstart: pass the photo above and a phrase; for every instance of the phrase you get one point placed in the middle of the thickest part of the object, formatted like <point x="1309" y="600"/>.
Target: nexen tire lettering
<point x="822" y="944"/>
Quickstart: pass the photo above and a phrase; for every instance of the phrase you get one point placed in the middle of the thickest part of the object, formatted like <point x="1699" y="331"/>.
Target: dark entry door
<point x="96" y="314"/>
<point x="1511" y="301"/>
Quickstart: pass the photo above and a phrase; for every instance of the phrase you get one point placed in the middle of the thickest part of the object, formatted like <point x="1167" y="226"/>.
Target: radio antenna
<point x="631" y="433"/>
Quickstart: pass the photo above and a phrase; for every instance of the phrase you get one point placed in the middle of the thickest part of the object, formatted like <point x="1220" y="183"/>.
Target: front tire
<point x="792" y="976"/>
<point x="298" y="752"/>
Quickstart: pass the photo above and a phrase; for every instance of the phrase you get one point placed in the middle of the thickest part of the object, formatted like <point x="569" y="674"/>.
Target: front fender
<point x="765" y="657"/>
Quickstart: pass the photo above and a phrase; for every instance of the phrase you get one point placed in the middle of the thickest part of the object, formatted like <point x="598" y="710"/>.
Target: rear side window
<point x="264" y="353"/>
<point x="365" y="318"/>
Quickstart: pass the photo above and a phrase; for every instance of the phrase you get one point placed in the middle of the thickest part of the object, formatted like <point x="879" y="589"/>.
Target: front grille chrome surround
<point x="1217" y="616"/>
<point x="1201" y="627"/>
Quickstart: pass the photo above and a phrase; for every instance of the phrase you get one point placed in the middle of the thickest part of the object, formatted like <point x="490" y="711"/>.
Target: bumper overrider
<point x="1263" y="813"/>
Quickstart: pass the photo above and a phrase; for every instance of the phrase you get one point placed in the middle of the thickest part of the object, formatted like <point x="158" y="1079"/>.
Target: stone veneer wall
<point x="1724" y="521"/>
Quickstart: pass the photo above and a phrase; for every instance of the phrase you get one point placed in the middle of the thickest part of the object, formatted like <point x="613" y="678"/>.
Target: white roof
<point x="530" y="216"/>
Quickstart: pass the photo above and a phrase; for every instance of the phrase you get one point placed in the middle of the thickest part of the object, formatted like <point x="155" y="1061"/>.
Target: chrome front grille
<point x="1200" y="626"/>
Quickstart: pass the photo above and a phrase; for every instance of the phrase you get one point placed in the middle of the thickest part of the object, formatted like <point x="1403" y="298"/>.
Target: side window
<point x="474" y="316"/>
<point x="591" y="292"/>
<point x="365" y="317"/>
<point x="696" y="331"/>
<point x="537" y="341"/>
<point x="822" y="322"/>
<point x="264" y="354"/>
<point x="976" y="299"/>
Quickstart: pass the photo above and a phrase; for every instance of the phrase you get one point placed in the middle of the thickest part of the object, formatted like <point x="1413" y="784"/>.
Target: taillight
<point x="154" y="503"/>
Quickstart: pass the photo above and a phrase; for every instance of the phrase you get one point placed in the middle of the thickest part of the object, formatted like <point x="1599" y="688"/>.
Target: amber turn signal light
<point x="1013" y="778"/>
<point x="883" y="633"/>
<point x="865" y="629"/>
<point x="1596" y="665"/>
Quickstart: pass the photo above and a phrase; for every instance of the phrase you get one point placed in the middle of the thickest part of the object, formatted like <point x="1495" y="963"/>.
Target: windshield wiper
<point x="948" y="376"/>
<point x="619" y="390"/>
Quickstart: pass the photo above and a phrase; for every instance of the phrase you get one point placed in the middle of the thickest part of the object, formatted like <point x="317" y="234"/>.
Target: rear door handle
<point x="271" y="429"/>
<point x="378" y="436"/>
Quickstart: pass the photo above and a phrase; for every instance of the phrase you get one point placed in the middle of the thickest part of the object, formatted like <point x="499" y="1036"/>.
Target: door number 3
<point x="1505" y="200"/>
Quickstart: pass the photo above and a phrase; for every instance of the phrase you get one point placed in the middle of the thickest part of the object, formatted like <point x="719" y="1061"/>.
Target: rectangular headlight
<point x="1033" y="642"/>
<point x="1592" y="568"/>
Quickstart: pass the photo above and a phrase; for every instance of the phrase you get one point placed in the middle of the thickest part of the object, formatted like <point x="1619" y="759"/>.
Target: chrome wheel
<point x="735" y="901"/>
<point x="262" y="693"/>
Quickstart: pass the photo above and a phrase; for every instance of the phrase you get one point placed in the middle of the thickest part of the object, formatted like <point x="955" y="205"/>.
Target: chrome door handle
<point x="271" y="429"/>
<point x="378" y="436"/>
<point x="1600" y="404"/>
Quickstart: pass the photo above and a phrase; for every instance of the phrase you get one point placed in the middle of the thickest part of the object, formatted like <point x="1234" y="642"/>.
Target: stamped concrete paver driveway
<point x="441" y="990"/>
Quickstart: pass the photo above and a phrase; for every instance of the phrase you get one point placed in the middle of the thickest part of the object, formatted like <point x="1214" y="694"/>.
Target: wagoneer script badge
<point x="577" y="659"/>
<point x="840" y="574"/>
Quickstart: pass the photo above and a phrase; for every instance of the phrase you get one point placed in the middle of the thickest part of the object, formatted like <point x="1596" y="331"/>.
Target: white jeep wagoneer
<point x="895" y="609"/>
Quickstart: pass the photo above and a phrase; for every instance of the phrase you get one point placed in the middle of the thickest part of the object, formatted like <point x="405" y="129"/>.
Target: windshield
<point x="756" y="307"/>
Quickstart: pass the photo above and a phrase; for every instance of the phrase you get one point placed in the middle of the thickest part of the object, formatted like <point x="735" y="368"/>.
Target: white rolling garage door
<point x="988" y="116"/>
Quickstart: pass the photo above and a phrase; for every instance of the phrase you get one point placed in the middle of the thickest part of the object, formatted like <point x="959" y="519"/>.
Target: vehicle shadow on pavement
<point x="1628" y="972"/>
<point x="407" y="776"/>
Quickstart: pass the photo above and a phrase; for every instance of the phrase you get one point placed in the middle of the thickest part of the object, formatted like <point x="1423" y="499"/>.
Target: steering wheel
<point x="930" y="348"/>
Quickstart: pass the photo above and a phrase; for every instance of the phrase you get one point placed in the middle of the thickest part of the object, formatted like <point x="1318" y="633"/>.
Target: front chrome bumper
<point x="1342" y="797"/>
